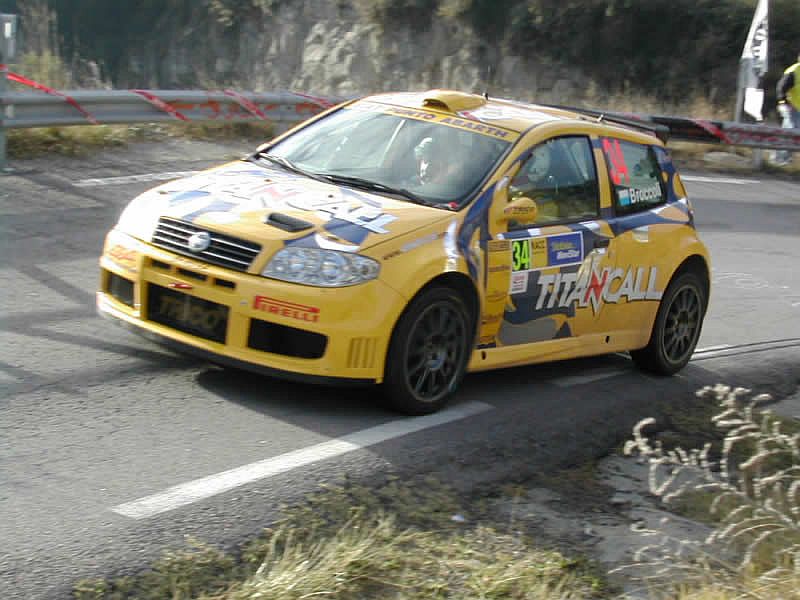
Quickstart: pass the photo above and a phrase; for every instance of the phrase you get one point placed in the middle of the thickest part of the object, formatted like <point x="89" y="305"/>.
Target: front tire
<point x="428" y="352"/>
<point x="676" y="328"/>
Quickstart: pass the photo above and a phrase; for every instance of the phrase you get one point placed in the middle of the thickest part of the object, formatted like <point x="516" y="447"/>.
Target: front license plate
<point x="186" y="313"/>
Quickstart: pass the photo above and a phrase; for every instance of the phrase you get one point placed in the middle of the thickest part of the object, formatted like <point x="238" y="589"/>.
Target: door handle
<point x="602" y="242"/>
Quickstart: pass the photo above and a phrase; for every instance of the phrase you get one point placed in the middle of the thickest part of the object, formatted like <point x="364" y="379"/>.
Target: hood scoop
<point x="287" y="223"/>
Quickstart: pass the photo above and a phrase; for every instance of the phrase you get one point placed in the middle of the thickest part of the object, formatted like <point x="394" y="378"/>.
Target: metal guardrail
<point x="52" y="108"/>
<point x="48" y="107"/>
<point x="111" y="106"/>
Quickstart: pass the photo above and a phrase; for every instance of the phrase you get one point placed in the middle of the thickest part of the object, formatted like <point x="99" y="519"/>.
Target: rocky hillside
<point x="550" y="50"/>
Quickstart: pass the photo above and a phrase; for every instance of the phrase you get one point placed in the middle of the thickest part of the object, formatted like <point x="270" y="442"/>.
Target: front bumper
<point x="296" y="332"/>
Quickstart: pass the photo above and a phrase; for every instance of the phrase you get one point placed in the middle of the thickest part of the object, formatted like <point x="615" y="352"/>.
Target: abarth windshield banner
<point x="436" y="117"/>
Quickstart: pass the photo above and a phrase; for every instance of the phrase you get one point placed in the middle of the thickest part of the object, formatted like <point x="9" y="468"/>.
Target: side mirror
<point x="521" y="210"/>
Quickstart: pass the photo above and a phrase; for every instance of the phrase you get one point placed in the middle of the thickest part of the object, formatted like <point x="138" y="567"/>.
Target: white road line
<point x="711" y="348"/>
<point x="719" y="180"/>
<point x="126" y="179"/>
<point x="199" y="489"/>
<point x="581" y="379"/>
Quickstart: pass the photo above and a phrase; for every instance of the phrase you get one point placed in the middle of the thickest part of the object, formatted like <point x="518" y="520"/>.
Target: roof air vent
<point x="452" y="101"/>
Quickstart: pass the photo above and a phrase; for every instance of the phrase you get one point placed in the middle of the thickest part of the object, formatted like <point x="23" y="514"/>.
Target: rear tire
<point x="428" y="352"/>
<point x="676" y="328"/>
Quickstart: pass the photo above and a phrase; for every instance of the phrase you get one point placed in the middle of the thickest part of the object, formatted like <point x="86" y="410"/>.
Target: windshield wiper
<point x="285" y="163"/>
<point x="375" y="186"/>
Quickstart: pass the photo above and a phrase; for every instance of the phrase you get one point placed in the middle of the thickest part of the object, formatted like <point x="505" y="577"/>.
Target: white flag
<point x="754" y="60"/>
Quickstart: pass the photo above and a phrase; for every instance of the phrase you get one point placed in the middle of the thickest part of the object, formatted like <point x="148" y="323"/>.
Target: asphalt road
<point x="97" y="424"/>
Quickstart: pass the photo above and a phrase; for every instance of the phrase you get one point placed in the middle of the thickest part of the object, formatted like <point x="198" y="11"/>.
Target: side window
<point x="560" y="176"/>
<point x="635" y="175"/>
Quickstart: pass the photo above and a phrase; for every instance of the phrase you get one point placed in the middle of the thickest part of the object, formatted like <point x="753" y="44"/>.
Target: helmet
<point x="430" y="159"/>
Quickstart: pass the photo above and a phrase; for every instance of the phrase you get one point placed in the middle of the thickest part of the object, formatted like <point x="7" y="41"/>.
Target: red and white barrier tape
<point x="161" y="105"/>
<point x="316" y="100"/>
<point x="246" y="104"/>
<point x="712" y="129"/>
<point x="16" y="77"/>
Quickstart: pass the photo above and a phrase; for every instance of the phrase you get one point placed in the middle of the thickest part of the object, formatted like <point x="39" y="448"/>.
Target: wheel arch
<point x="459" y="282"/>
<point x="454" y="280"/>
<point x="698" y="265"/>
<point x="442" y="286"/>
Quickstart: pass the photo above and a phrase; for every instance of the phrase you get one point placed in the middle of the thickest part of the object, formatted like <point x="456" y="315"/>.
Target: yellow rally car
<point x="405" y="239"/>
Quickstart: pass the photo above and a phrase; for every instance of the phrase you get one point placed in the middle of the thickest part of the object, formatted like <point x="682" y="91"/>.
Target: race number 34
<point x="520" y="255"/>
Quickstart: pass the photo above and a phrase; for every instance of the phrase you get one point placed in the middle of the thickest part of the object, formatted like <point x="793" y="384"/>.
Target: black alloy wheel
<point x="428" y="353"/>
<point x="682" y="325"/>
<point x="677" y="326"/>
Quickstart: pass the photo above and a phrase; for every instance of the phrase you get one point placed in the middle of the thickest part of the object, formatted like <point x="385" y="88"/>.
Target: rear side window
<point x="635" y="175"/>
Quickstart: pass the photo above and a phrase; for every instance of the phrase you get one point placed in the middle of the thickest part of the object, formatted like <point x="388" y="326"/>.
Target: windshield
<point x="434" y="162"/>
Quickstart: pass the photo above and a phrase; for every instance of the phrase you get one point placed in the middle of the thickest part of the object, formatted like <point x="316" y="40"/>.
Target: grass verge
<point x="397" y="541"/>
<point x="86" y="140"/>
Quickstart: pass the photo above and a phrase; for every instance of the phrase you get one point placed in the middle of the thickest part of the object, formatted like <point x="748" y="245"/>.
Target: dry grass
<point x="396" y="541"/>
<point x="86" y="140"/>
<point x="752" y="497"/>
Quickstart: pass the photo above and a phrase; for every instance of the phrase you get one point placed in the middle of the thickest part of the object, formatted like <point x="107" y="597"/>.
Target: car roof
<point x="498" y="112"/>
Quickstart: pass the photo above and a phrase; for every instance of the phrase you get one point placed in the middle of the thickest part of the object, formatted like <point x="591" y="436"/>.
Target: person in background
<point x="789" y="105"/>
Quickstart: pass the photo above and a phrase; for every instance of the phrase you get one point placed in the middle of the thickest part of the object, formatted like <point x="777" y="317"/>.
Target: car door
<point x="559" y="261"/>
<point x="644" y="234"/>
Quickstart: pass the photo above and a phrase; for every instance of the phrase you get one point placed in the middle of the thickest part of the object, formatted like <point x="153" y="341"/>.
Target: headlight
<point x="324" y="268"/>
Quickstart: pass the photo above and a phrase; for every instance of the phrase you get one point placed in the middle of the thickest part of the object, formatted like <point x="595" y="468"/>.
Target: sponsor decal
<point x="392" y="254"/>
<point x="498" y="245"/>
<point x="299" y="312"/>
<point x="191" y="314"/>
<point x="519" y="282"/>
<point x="546" y="252"/>
<point x="433" y="117"/>
<point x="413" y="245"/>
<point x="479" y="127"/>
<point x="124" y="256"/>
<point x="498" y="269"/>
<point x="596" y="287"/>
<point x="650" y="195"/>
<point x="368" y="216"/>
<point x="516" y="211"/>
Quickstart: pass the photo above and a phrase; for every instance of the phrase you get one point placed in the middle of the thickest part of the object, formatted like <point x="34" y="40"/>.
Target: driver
<point x="432" y="162"/>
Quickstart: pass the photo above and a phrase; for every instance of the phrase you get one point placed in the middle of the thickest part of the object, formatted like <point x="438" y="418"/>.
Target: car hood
<point x="267" y="204"/>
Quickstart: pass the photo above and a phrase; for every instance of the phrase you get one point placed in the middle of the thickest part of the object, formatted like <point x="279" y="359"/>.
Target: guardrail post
<point x="8" y="50"/>
<point x="3" y="72"/>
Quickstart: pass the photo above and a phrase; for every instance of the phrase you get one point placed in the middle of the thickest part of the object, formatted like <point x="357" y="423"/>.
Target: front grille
<point x="224" y="251"/>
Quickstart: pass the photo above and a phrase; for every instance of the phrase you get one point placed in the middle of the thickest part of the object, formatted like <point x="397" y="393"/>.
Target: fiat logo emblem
<point x="199" y="241"/>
